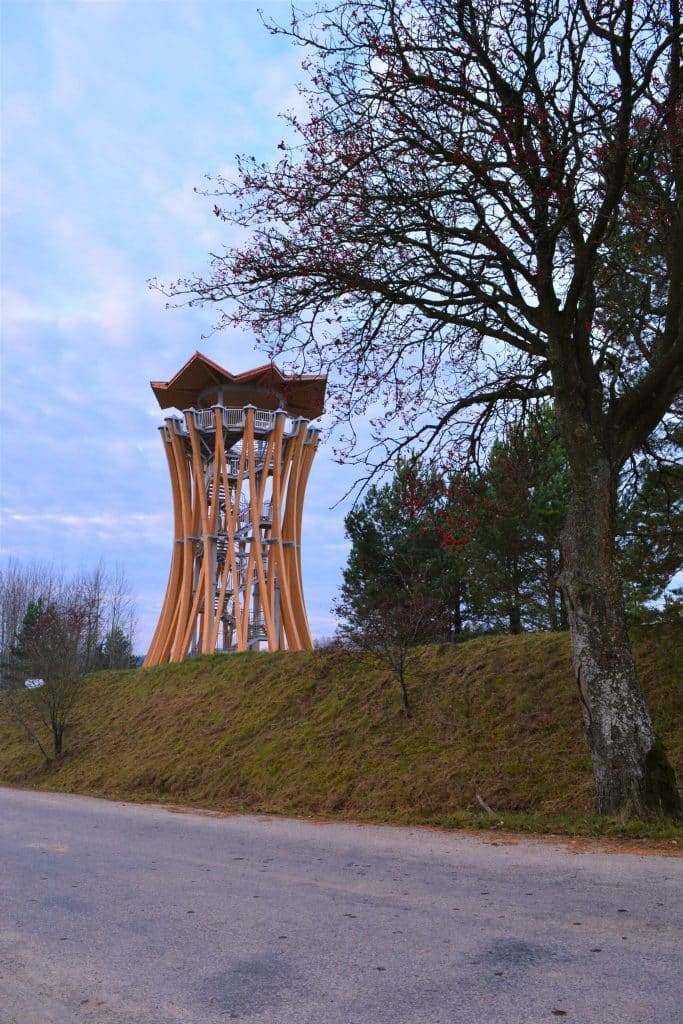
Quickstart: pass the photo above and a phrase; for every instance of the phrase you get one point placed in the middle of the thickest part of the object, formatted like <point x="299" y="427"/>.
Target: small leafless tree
<point x="390" y="630"/>
<point x="120" y="619"/>
<point x="111" y="614"/>
<point x="92" y="588"/>
<point x="53" y="632"/>
<point x="46" y="668"/>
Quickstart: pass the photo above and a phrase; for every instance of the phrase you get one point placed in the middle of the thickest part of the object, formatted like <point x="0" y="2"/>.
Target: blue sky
<point x="112" y="112"/>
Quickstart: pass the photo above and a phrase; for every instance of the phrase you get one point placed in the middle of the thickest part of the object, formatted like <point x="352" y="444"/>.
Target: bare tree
<point x="46" y="667"/>
<point x="92" y="587"/>
<point x="55" y="631"/>
<point x="120" y="618"/>
<point x="390" y="630"/>
<point x="111" y="610"/>
<point x="483" y="208"/>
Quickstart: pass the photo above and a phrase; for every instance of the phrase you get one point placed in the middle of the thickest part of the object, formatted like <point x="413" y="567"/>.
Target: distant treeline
<point x="95" y="608"/>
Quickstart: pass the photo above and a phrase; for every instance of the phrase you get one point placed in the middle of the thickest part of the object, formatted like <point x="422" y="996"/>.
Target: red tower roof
<point x="197" y="384"/>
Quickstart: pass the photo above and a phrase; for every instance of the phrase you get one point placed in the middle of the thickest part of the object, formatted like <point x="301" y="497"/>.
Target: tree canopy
<point x="482" y="204"/>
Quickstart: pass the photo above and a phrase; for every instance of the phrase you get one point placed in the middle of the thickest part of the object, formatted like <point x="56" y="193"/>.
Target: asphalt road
<point x="115" y="913"/>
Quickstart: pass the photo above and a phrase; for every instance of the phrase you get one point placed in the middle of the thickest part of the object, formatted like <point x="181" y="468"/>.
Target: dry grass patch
<point x="322" y="733"/>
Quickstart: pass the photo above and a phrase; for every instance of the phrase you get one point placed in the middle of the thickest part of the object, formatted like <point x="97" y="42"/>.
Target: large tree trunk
<point x="514" y="604"/>
<point x="630" y="767"/>
<point x="514" y="618"/>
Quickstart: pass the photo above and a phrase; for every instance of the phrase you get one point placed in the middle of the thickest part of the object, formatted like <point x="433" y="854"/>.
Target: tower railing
<point x="235" y="419"/>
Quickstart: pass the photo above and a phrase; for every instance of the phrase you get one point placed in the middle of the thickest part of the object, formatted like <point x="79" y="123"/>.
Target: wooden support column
<point x="160" y="648"/>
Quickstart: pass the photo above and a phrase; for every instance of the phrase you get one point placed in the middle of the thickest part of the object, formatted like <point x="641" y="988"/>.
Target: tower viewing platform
<point x="239" y="460"/>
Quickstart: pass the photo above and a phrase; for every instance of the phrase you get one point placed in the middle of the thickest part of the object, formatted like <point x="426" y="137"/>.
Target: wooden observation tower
<point x="239" y="462"/>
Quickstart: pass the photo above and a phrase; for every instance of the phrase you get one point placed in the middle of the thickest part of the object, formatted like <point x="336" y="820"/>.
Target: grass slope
<point x="322" y="733"/>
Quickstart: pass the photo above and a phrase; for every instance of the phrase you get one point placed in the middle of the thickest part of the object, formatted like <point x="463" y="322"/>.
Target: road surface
<point x="116" y="913"/>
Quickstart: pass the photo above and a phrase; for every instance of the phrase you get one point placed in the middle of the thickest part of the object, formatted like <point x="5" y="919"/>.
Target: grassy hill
<point x="322" y="733"/>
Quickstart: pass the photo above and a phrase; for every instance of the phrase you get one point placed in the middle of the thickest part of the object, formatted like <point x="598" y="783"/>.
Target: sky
<point x="113" y="111"/>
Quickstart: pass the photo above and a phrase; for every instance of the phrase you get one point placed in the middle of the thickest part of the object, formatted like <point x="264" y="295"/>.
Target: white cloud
<point x="150" y="528"/>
